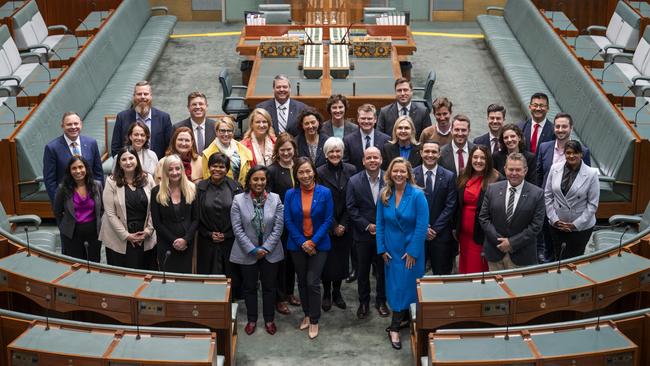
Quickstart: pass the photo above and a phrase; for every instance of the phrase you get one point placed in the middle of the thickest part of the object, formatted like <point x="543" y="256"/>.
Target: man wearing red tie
<point x="454" y="155"/>
<point x="537" y="129"/>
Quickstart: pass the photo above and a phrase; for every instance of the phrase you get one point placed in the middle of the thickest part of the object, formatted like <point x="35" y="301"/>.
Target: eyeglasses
<point x="537" y="105"/>
<point x="225" y="131"/>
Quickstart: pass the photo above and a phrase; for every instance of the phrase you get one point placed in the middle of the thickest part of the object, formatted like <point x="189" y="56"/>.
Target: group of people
<point x="299" y="197"/>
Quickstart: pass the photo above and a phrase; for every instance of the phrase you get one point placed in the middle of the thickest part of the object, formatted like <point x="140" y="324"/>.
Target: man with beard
<point x="496" y="118"/>
<point x="159" y="122"/>
<point x="201" y="125"/>
<point x="441" y="131"/>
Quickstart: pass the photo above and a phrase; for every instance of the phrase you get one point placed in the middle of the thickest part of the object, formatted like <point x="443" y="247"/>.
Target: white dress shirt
<point x="282" y="124"/>
<point x="433" y="176"/>
<point x="517" y="195"/>
<point x="69" y="142"/>
<point x="465" y="150"/>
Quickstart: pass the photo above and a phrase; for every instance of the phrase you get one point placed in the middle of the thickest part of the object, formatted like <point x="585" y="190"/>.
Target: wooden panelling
<point x="7" y="187"/>
<point x="585" y="13"/>
<point x="181" y="8"/>
<point x="473" y="8"/>
<point x="447" y="15"/>
<point x="69" y="13"/>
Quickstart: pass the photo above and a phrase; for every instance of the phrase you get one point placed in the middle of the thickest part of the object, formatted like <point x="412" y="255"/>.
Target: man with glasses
<point x="537" y="129"/>
<point x="284" y="111"/>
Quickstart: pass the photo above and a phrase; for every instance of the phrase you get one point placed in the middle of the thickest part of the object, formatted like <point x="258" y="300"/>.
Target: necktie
<point x="533" y="140"/>
<point x="367" y="142"/>
<point x="495" y="145"/>
<point x="428" y="184"/>
<point x="510" y="209"/>
<point x="461" y="161"/>
<point x="200" y="142"/>
<point x="282" y="119"/>
<point x="75" y="149"/>
<point x="405" y="112"/>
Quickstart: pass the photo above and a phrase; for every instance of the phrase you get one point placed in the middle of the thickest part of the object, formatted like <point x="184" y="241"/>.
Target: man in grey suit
<point x="284" y="111"/>
<point x="511" y="216"/>
<point x="403" y="107"/>
<point x="455" y="156"/>
<point x="199" y="123"/>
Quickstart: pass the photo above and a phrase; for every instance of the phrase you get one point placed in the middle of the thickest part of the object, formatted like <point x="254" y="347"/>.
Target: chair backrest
<point x="226" y="87"/>
<point x="277" y="16"/>
<point x="274" y="7"/>
<point x="623" y="27"/>
<point x="10" y="59"/>
<point x="28" y="26"/>
<point x="641" y="58"/>
<point x="428" y="89"/>
<point x="370" y="14"/>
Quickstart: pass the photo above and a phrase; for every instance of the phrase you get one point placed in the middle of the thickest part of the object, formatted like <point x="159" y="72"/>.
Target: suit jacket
<point x="114" y="222"/>
<point x="322" y="218"/>
<point x="348" y="128"/>
<point x="545" y="160"/>
<point x="327" y="177"/>
<point x="57" y="155"/>
<point x="354" y="148"/>
<point x="295" y="107"/>
<point x="389" y="114"/>
<point x="447" y="157"/>
<point x="580" y="203"/>
<point x="170" y="226"/>
<point x="391" y="151"/>
<point x="362" y="208"/>
<point x="485" y="141"/>
<point x="442" y="203"/>
<point x="246" y="239"/>
<point x="499" y="160"/>
<point x="547" y="133"/>
<point x="523" y="229"/>
<point x="303" y="148"/>
<point x="161" y="131"/>
<point x="210" y="133"/>
<point x="64" y="209"/>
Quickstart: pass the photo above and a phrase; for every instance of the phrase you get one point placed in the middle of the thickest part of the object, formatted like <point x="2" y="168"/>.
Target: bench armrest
<point x="25" y="219"/>
<point x="28" y="55"/>
<point x="590" y="29"/>
<point x="613" y="47"/>
<point x="15" y="78"/>
<point x="39" y="46"/>
<point x="640" y="77"/>
<point x="162" y="9"/>
<point x="624" y="219"/>
<point x="235" y="98"/>
<point x="493" y="8"/>
<point x="624" y="55"/>
<point x="59" y="27"/>
<point x="242" y="87"/>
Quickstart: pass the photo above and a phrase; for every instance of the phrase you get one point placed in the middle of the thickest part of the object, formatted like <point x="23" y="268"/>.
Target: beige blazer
<point x="114" y="230"/>
<point x="197" y="170"/>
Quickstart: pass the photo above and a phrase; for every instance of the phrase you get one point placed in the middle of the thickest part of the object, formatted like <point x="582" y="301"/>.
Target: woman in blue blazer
<point x="402" y="223"/>
<point x="308" y="216"/>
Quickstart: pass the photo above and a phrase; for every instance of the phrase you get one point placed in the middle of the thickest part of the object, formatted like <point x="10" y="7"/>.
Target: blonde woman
<point x="260" y="137"/>
<point x="403" y="143"/>
<point x="175" y="216"/>
<point x="240" y="157"/>
<point x="402" y="222"/>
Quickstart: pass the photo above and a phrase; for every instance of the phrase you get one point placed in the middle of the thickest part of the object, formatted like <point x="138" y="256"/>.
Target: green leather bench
<point x="533" y="58"/>
<point x="99" y="82"/>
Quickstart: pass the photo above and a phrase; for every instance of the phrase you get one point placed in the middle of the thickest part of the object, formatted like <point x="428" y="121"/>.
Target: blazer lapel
<point x="522" y="199"/>
<point x="580" y="181"/>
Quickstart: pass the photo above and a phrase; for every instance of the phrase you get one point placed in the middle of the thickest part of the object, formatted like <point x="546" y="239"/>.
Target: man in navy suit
<point x="455" y="155"/>
<point x="537" y="129"/>
<point x="199" y="123"/>
<point x="441" y="193"/>
<point x="403" y="107"/>
<point x="496" y="117"/>
<point x="159" y="122"/>
<point x="58" y="152"/>
<point x="366" y="136"/>
<point x="284" y="111"/>
<point x="361" y="201"/>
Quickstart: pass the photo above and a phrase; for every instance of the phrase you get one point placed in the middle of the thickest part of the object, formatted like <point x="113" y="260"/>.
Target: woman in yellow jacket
<point x="240" y="156"/>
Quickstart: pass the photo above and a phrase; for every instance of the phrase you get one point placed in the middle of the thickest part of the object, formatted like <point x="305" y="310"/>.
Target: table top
<point x="461" y="291"/>
<point x="64" y="341"/>
<point x="101" y="282"/>
<point x="613" y="267"/>
<point x="177" y="290"/>
<point x="539" y="283"/>
<point x="33" y="266"/>
<point x="578" y="341"/>
<point x="168" y="348"/>
<point x="481" y="348"/>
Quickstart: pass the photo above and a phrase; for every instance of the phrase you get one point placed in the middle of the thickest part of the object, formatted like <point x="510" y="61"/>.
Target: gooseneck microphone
<point x="482" y="268"/>
<point x="636" y="115"/>
<point x="620" y="241"/>
<point x="29" y="253"/>
<point x="4" y="103"/>
<point x="559" y="260"/>
<point x="87" y="257"/>
<point x="164" y="265"/>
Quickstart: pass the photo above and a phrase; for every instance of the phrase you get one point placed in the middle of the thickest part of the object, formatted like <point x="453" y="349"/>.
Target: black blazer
<point x="64" y="213"/>
<point x="485" y="141"/>
<point x="210" y="133"/>
<point x="348" y="128"/>
<point x="546" y="135"/>
<point x="499" y="160"/>
<point x="391" y="151"/>
<point x="295" y="107"/>
<point x="338" y="189"/>
<point x="161" y="131"/>
<point x="303" y="148"/>
<point x="442" y="204"/>
<point x="170" y="226"/>
<point x="389" y="114"/>
<point x="354" y="148"/>
<point x="362" y="209"/>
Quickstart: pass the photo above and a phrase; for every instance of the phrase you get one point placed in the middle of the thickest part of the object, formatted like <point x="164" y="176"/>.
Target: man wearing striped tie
<point x="511" y="216"/>
<point x="284" y="111"/>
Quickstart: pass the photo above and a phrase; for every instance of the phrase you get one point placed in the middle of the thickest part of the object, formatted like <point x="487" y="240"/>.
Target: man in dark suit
<point x="496" y="117"/>
<point x="58" y="152"/>
<point x="199" y="123"/>
<point x="511" y="216"/>
<point x="441" y="193"/>
<point x="364" y="137"/>
<point x="284" y="111"/>
<point x="361" y="201"/>
<point x="455" y="156"/>
<point x="537" y="129"/>
<point x="159" y="122"/>
<point x="403" y="107"/>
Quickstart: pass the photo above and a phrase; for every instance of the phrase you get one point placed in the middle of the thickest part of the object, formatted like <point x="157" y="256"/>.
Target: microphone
<point x="27" y="239"/>
<point x="49" y="74"/>
<point x="137" y="323"/>
<point x="346" y="35"/>
<point x="568" y="25"/>
<point x="81" y="22"/>
<point x="591" y="60"/>
<point x="598" y="321"/>
<point x="507" y="336"/>
<point x="354" y="88"/>
<point x="167" y="254"/>
<point x="298" y="88"/>
<point x="309" y="40"/>
<point x="559" y="260"/>
<point x="48" y="298"/>
<point x="482" y="268"/>
<point x="4" y="103"/>
<point x="620" y="241"/>
<point x="636" y="115"/>
<point x="87" y="257"/>
<point x="623" y="98"/>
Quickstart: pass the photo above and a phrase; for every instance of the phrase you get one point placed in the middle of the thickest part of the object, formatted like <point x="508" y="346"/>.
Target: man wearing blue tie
<point x="59" y="151"/>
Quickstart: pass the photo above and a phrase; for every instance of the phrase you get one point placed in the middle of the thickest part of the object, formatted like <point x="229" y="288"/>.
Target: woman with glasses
<point x="241" y="159"/>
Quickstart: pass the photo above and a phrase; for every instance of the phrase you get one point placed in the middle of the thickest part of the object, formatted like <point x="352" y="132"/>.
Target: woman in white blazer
<point x="127" y="230"/>
<point x="571" y="195"/>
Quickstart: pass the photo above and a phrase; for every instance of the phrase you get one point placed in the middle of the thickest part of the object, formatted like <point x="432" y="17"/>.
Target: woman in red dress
<point x="472" y="183"/>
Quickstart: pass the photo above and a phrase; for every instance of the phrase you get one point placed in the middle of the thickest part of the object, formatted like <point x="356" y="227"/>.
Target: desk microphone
<point x="507" y="336"/>
<point x="636" y="115"/>
<point x="559" y="260"/>
<point x="137" y="322"/>
<point x="482" y="268"/>
<point x="81" y="22"/>
<point x="164" y="264"/>
<point x="620" y="241"/>
<point x="48" y="298"/>
<point x="27" y="239"/>
<point x="4" y="103"/>
<point x="598" y="321"/>
<point x="87" y="257"/>
<point x="309" y="40"/>
<point x="346" y="35"/>
<point x="566" y="29"/>
<point x="623" y="97"/>
<point x="591" y="60"/>
<point x="49" y="74"/>
<point x="354" y="88"/>
<point x="298" y="88"/>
